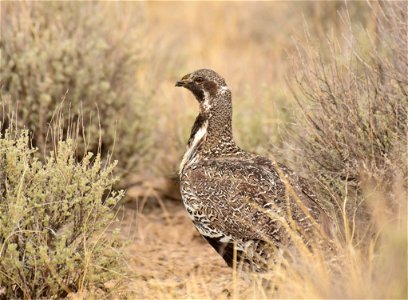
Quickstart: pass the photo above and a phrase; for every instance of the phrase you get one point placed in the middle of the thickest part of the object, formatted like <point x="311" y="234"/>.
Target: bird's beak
<point x="185" y="80"/>
<point x="180" y="82"/>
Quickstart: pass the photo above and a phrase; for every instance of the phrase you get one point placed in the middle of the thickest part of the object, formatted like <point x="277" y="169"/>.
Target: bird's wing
<point x="245" y="199"/>
<point x="307" y="197"/>
<point x="238" y="195"/>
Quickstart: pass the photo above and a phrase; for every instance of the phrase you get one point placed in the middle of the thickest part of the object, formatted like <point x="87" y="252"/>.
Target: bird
<point x="246" y="206"/>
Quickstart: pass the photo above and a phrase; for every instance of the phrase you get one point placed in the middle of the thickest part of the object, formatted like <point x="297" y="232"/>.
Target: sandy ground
<point x="168" y="258"/>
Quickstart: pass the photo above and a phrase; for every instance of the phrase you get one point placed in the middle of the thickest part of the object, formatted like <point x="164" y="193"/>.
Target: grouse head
<point x="208" y="87"/>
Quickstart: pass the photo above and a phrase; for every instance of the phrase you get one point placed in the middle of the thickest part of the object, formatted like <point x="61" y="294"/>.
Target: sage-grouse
<point x="235" y="197"/>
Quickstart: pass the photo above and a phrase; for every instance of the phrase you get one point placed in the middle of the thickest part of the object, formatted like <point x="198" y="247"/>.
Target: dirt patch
<point x="168" y="258"/>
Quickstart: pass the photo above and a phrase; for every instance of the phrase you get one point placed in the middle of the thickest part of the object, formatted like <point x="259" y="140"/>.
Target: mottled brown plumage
<point x="235" y="197"/>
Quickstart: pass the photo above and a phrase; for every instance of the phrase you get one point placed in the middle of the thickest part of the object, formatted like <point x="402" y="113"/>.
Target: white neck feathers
<point x="189" y="155"/>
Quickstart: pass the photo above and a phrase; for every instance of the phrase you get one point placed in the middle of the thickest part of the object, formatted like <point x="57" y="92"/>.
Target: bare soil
<point x="168" y="258"/>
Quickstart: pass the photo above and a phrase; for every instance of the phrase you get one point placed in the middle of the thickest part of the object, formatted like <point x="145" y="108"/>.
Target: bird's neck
<point x="217" y="121"/>
<point x="211" y="134"/>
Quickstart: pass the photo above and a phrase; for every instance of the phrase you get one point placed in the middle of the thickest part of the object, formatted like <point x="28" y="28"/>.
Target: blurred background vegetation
<point x="62" y="57"/>
<point x="321" y="86"/>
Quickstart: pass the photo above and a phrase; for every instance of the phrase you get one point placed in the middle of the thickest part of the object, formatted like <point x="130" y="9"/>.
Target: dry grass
<point x="352" y="129"/>
<point x="250" y="45"/>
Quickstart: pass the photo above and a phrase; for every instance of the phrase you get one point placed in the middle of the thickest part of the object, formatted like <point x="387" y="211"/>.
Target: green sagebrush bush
<point x="354" y="105"/>
<point x="86" y="54"/>
<point x="54" y="218"/>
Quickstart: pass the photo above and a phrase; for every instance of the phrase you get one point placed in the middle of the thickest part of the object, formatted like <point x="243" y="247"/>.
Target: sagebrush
<point x="351" y="133"/>
<point x="54" y="218"/>
<point x="78" y="58"/>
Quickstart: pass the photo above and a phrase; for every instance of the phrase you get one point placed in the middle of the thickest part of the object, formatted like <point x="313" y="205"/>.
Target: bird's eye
<point x="199" y="79"/>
